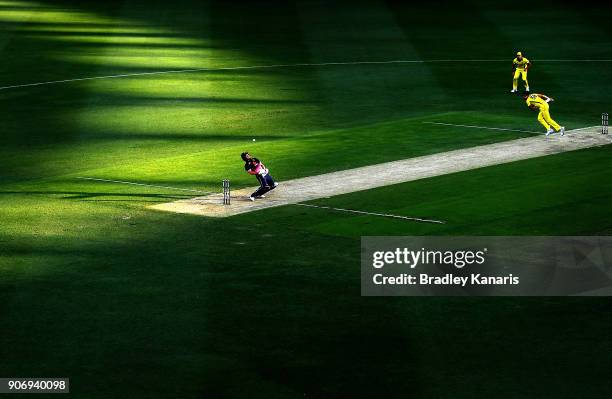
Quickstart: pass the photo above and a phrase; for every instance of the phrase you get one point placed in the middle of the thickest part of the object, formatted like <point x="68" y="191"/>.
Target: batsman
<point x="255" y="167"/>
<point x="539" y="102"/>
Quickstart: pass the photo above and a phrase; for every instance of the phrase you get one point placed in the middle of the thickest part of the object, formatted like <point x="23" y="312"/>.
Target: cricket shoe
<point x="549" y="132"/>
<point x="252" y="199"/>
<point x="562" y="130"/>
<point x="261" y="196"/>
<point x="513" y="91"/>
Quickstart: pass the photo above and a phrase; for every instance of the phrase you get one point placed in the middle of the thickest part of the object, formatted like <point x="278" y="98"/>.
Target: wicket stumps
<point x="604" y="123"/>
<point x="226" y="192"/>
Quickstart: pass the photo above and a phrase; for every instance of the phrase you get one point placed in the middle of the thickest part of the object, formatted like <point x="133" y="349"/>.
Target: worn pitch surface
<point x="388" y="173"/>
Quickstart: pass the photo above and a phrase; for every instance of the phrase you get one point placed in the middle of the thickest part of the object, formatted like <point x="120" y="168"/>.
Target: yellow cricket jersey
<point x="535" y="100"/>
<point x="522" y="64"/>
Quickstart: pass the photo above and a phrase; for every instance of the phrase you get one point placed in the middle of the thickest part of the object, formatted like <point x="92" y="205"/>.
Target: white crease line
<point x="271" y="66"/>
<point x="373" y="213"/>
<point x="510" y="130"/>
<point x="146" y="185"/>
<point x="482" y="127"/>
<point x="583" y="128"/>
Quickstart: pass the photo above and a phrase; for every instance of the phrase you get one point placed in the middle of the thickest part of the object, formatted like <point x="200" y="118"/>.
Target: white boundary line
<point x="373" y="214"/>
<point x="215" y="69"/>
<point x="145" y="185"/>
<point x="270" y="66"/>
<point x="484" y="127"/>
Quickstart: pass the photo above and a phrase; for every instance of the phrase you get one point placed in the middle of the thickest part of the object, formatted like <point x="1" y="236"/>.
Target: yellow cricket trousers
<point x="545" y="119"/>
<point x="517" y="73"/>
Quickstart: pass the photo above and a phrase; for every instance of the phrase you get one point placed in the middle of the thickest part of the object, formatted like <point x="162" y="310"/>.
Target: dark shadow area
<point x="477" y="38"/>
<point x="170" y="299"/>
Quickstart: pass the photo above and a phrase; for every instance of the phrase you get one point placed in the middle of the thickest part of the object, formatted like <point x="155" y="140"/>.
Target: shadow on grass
<point x="80" y="195"/>
<point x="114" y="136"/>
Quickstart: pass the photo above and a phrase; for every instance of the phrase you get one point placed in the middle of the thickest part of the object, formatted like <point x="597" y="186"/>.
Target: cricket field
<point x="131" y="302"/>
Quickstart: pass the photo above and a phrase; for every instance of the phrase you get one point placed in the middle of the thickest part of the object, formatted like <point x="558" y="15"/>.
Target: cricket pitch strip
<point x="388" y="173"/>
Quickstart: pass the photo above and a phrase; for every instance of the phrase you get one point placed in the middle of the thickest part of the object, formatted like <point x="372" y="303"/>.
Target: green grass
<point x="129" y="302"/>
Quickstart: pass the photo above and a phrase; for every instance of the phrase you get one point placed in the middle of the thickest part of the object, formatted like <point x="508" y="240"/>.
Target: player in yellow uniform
<point x="539" y="102"/>
<point x="520" y="65"/>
